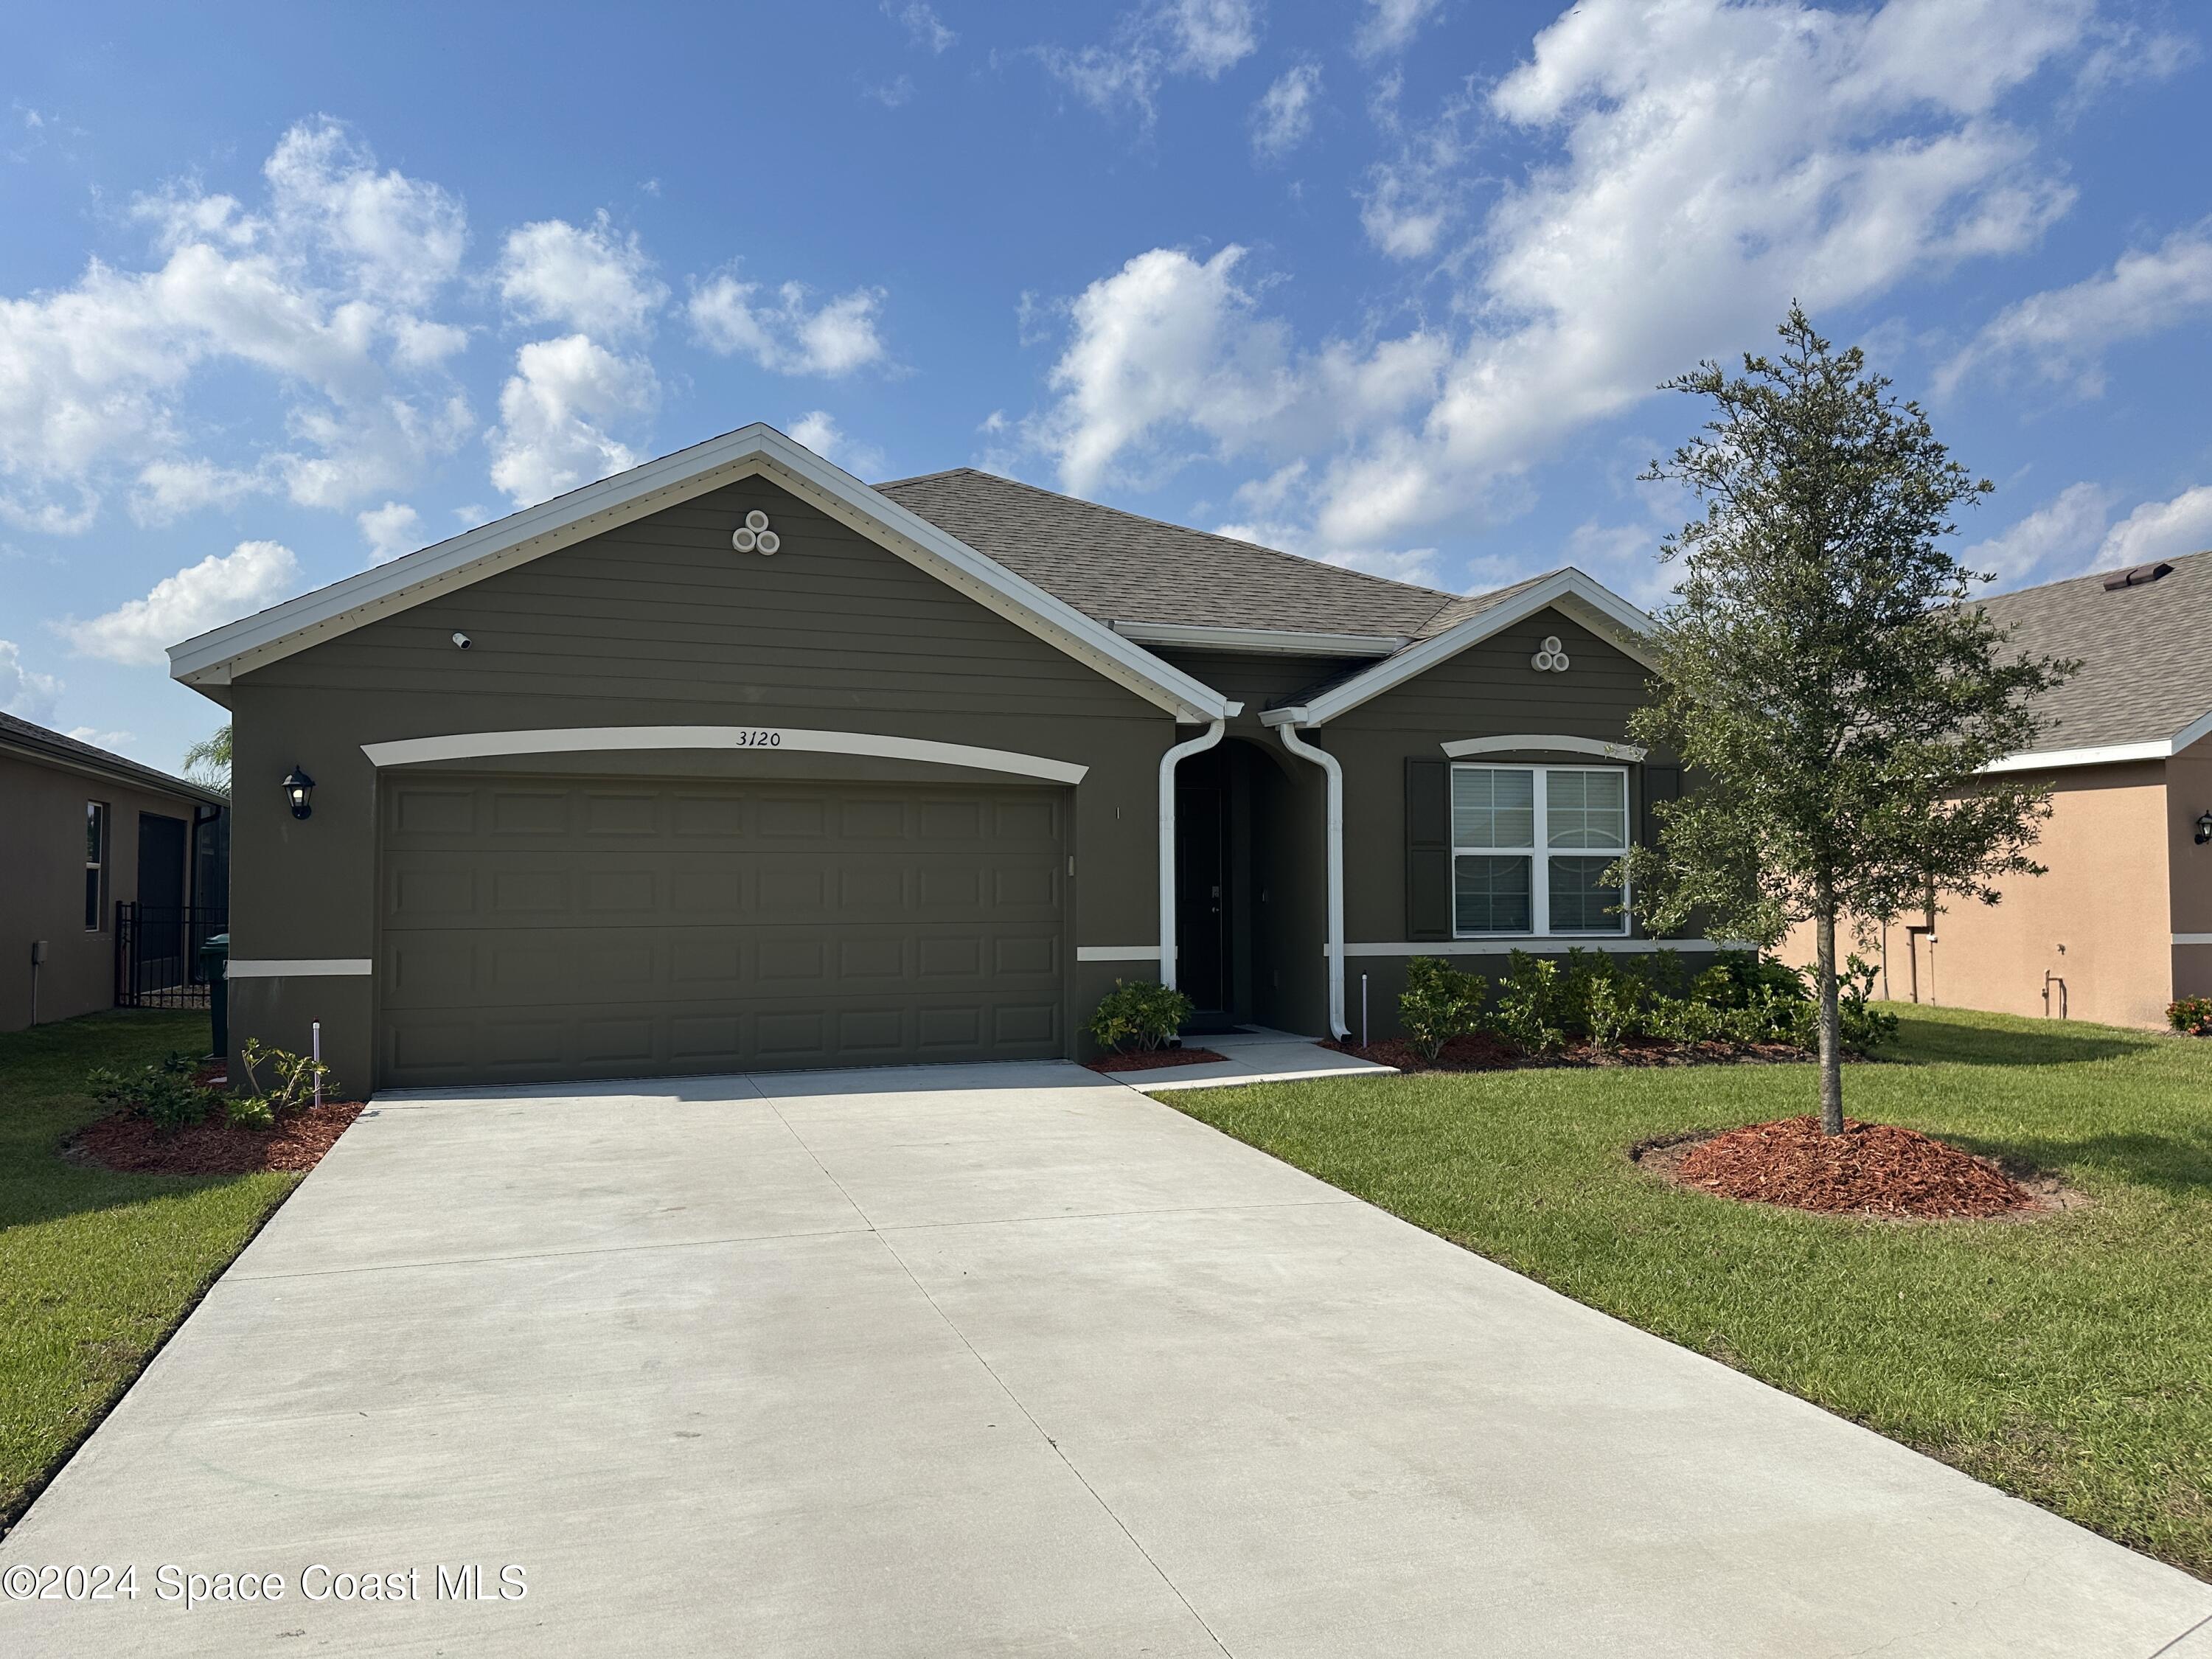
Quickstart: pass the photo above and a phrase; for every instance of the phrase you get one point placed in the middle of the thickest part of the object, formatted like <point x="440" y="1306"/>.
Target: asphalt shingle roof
<point x="1120" y="567"/>
<point x="37" y="739"/>
<point x="2146" y="653"/>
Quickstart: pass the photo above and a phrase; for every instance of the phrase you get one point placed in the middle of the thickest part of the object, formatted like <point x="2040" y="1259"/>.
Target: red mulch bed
<point x="1871" y="1169"/>
<point x="1154" y="1060"/>
<point x="130" y="1144"/>
<point x="1485" y="1051"/>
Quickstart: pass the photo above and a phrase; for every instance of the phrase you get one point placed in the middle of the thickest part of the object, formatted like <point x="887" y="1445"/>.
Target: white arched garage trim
<point x="571" y="740"/>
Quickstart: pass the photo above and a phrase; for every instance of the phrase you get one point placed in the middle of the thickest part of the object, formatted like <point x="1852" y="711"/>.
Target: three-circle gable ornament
<point x="754" y="536"/>
<point x="1552" y="659"/>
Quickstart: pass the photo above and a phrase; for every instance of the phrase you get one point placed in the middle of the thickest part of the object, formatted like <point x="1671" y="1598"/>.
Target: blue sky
<point x="297" y="288"/>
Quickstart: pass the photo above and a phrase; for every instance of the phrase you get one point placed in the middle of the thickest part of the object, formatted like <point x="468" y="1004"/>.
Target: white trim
<point x="1117" y="953"/>
<point x="2193" y="939"/>
<point x="1551" y="743"/>
<point x="1287" y="641"/>
<point x="1173" y="756"/>
<point x="2036" y="760"/>
<point x="1333" y="938"/>
<point x="1502" y="944"/>
<point x="215" y="658"/>
<point x="1578" y="596"/>
<point x="299" y="967"/>
<point x="569" y="740"/>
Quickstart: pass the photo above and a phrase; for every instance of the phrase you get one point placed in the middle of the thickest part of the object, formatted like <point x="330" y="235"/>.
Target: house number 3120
<point x="760" y="739"/>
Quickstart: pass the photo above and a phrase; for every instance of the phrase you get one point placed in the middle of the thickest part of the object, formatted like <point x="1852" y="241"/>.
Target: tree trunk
<point x="1832" y="1046"/>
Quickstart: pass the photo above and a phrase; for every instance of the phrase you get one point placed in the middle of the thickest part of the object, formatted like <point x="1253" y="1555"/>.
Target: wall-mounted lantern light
<point x="2203" y="827"/>
<point x="299" y="790"/>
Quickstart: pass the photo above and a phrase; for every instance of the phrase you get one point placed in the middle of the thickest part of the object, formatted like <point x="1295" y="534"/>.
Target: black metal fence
<point x="157" y="953"/>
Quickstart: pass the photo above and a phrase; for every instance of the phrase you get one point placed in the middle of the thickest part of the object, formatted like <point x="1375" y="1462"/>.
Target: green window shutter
<point x="1660" y="783"/>
<point x="1428" y="849"/>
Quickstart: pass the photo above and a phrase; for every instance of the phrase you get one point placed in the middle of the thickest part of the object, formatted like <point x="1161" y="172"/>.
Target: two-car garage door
<point x="535" y="929"/>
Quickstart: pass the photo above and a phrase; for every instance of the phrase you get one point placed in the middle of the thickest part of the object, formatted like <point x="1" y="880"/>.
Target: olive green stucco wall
<point x="660" y="623"/>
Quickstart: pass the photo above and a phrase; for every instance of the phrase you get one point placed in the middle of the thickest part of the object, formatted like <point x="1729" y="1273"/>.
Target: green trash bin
<point x="214" y="962"/>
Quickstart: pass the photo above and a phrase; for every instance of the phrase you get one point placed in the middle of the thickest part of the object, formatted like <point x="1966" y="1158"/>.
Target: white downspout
<point x="1334" y="769"/>
<point x="1169" y="762"/>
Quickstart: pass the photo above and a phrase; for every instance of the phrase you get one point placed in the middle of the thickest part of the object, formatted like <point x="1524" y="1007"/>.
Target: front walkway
<point x="982" y="1361"/>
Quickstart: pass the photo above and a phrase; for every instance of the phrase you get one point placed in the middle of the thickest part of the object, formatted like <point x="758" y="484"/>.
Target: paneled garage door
<point x="536" y="929"/>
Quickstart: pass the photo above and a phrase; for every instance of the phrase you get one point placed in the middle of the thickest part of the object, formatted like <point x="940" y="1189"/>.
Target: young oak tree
<point x="1823" y="673"/>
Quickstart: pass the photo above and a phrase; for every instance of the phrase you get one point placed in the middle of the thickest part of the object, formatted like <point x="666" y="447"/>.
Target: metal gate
<point x="157" y="953"/>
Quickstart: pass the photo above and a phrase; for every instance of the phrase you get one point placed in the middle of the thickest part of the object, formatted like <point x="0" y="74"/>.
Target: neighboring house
<point x="82" y="833"/>
<point x="733" y="762"/>
<point x="2121" y="923"/>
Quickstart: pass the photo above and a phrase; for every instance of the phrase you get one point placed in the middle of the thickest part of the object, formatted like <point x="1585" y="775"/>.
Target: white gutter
<point x="1334" y="768"/>
<point x="1174" y="757"/>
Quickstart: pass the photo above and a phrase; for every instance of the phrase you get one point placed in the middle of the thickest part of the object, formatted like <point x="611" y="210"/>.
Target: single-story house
<point x="114" y="871"/>
<point x="733" y="762"/>
<point x="2121" y="925"/>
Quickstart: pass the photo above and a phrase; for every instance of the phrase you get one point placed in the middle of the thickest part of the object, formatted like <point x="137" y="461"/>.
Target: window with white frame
<point x="1530" y="848"/>
<point x="95" y="866"/>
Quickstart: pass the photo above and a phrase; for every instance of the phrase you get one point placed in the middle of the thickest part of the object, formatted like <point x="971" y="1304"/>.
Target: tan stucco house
<point x="733" y="761"/>
<point x="2121" y="924"/>
<point x="90" y="843"/>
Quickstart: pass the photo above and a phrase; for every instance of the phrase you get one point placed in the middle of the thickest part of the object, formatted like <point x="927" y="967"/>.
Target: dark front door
<point x="160" y="899"/>
<point x="1202" y="882"/>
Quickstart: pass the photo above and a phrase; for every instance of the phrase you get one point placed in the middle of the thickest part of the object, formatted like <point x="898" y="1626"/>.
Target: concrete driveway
<point x="982" y="1361"/>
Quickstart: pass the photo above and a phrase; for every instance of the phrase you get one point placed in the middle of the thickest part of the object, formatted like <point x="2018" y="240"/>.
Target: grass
<point x="2068" y="1360"/>
<point x="97" y="1270"/>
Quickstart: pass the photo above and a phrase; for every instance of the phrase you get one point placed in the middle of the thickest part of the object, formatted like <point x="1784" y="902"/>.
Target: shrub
<point x="296" y="1077"/>
<point x="167" y="1095"/>
<point x="1686" y="1019"/>
<point x="1141" y="1014"/>
<point x="1615" y="1009"/>
<point x="249" y="1112"/>
<point x="2191" y="1016"/>
<point x="1863" y="1027"/>
<point x="1439" y="1003"/>
<point x="1529" y="1003"/>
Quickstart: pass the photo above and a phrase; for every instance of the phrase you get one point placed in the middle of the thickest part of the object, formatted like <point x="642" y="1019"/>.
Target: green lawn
<point x="95" y="1269"/>
<point x="2068" y="1359"/>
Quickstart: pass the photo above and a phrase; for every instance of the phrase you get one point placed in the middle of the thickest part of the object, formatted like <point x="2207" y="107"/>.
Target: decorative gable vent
<point x="754" y="536"/>
<point x="1551" y="660"/>
<point x="2136" y="576"/>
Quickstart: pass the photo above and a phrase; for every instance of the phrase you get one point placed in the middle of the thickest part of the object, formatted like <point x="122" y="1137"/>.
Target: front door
<point x="1202" y="883"/>
<point x="161" y="941"/>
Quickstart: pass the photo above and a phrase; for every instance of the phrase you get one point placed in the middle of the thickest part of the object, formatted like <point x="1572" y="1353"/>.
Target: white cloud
<point x="2159" y="529"/>
<point x="112" y="741"/>
<point x="1390" y="25"/>
<point x="584" y="278"/>
<point x="322" y="291"/>
<point x="556" y="411"/>
<point x="819" y="431"/>
<point x="170" y="489"/>
<point x="1205" y="38"/>
<point x="922" y="25"/>
<point x="1283" y="115"/>
<point x="220" y="588"/>
<point x="390" y="531"/>
<point x="24" y="692"/>
<point x="1700" y="164"/>
<point x="787" y="337"/>
<point x="2056" y="535"/>
<point x="1169" y="342"/>
<point x="2062" y="335"/>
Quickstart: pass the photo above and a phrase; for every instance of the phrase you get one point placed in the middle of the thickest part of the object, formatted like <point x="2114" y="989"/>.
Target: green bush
<point x="1140" y="1014"/>
<point x="1863" y="1027"/>
<point x="2191" y="1016"/>
<point x="1530" y="1003"/>
<point x="1440" y="1002"/>
<point x="167" y="1095"/>
<point x="249" y="1112"/>
<point x="294" y="1078"/>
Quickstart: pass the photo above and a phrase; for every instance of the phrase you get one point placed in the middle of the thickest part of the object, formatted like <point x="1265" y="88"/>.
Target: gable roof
<point x="1470" y="621"/>
<point x="214" y="658"/>
<point x="2144" y="689"/>
<point x="1160" y="572"/>
<point x="38" y="743"/>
